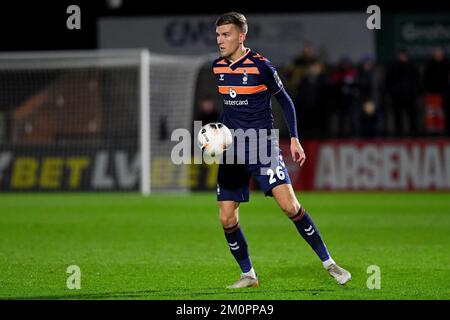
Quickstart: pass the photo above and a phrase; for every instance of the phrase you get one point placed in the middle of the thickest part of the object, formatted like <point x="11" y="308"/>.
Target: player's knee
<point x="290" y="208"/>
<point x="228" y="222"/>
<point x="227" y="219"/>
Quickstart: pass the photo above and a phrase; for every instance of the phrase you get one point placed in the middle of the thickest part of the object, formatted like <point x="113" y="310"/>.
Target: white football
<point x="214" y="138"/>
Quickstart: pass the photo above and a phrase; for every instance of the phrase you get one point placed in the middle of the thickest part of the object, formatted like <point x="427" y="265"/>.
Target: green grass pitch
<point x="172" y="246"/>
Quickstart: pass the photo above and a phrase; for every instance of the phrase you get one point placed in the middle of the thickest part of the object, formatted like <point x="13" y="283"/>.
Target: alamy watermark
<point x="250" y="146"/>
<point x="74" y="20"/>
<point x="374" y="20"/>
<point x="74" y="280"/>
<point x="374" y="280"/>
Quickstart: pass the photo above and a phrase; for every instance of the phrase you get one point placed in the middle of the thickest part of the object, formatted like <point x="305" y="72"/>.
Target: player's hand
<point x="297" y="152"/>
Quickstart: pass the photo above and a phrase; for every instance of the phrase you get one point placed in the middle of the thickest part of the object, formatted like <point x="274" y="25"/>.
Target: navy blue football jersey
<point x="246" y="86"/>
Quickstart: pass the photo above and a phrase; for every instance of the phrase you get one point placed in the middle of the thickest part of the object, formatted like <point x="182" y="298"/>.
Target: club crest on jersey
<point x="221" y="77"/>
<point x="245" y="77"/>
<point x="233" y="93"/>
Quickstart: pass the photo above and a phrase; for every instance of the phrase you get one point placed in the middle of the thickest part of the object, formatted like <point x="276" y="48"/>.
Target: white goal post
<point x="95" y="119"/>
<point x="144" y="85"/>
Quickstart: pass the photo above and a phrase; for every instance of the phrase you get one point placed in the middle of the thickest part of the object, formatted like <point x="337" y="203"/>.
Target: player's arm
<point x="274" y="84"/>
<point x="220" y="118"/>
<point x="297" y="152"/>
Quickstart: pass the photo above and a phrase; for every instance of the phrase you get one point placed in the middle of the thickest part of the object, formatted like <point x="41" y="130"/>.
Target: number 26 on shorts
<point x="279" y="173"/>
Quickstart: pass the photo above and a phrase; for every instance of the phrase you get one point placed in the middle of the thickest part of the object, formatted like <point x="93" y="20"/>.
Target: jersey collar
<point x="234" y="64"/>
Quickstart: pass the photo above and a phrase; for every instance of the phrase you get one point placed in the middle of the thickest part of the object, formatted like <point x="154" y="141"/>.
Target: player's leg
<point x="229" y="218"/>
<point x="232" y="188"/>
<point x="286" y="199"/>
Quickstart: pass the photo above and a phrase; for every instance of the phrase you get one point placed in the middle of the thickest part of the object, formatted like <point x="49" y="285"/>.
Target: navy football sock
<point x="310" y="233"/>
<point x="238" y="246"/>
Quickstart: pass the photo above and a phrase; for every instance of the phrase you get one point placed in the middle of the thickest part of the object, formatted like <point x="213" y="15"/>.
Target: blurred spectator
<point x="310" y="103"/>
<point x="368" y="122"/>
<point x="436" y="83"/>
<point x="207" y="111"/>
<point x="403" y="84"/>
<point x="296" y="70"/>
<point x="343" y="82"/>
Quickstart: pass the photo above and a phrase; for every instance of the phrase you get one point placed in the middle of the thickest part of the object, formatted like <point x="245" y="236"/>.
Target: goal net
<point x="94" y="120"/>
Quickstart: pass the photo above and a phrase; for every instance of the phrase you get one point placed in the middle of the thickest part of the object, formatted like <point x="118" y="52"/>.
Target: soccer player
<point x="246" y="81"/>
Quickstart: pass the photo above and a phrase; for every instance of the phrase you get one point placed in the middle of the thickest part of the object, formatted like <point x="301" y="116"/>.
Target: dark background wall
<point x="41" y="25"/>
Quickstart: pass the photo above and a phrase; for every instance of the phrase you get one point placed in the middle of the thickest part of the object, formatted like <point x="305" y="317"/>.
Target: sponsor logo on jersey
<point x="235" y="102"/>
<point x="277" y="79"/>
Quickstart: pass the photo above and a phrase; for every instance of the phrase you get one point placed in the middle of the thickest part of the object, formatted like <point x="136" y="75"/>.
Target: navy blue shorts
<point x="233" y="179"/>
